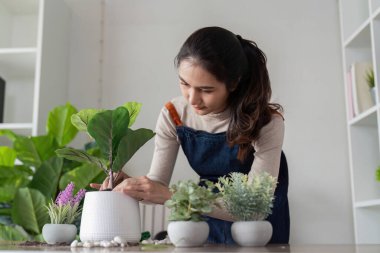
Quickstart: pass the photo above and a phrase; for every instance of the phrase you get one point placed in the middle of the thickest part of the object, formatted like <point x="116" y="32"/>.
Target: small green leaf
<point x="80" y="120"/>
<point x="81" y="176"/>
<point x="134" y="110"/>
<point x="7" y="156"/>
<point x="59" y="124"/>
<point x="81" y="156"/>
<point x="129" y="145"/>
<point x="12" y="233"/>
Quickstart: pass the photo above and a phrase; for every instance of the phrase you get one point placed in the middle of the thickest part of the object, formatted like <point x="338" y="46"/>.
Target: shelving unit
<point x="360" y="33"/>
<point x="34" y="49"/>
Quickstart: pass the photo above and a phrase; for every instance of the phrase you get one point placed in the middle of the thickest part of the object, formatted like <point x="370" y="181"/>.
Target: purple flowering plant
<point x="64" y="209"/>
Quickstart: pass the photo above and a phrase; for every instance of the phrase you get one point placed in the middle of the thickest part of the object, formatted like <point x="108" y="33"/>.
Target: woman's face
<point x="203" y="91"/>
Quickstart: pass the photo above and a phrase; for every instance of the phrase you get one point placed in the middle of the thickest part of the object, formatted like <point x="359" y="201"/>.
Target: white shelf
<point x="367" y="118"/>
<point x="361" y="37"/>
<point x="368" y="203"/>
<point x="17" y="62"/>
<point x="13" y="126"/>
<point x="20" y="7"/>
<point x="360" y="25"/>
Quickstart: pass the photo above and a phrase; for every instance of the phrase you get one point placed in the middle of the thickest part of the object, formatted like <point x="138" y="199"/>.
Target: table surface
<point x="206" y="248"/>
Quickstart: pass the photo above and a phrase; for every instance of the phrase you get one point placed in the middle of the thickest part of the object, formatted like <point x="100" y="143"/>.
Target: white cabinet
<point x="360" y="31"/>
<point x="34" y="49"/>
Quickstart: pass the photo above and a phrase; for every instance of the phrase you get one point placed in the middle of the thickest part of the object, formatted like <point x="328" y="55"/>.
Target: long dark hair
<point x="241" y="65"/>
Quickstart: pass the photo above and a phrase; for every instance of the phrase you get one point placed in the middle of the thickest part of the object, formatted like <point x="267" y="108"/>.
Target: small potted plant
<point x="188" y="203"/>
<point x="249" y="203"/>
<point x="108" y="214"/>
<point x="63" y="211"/>
<point x="370" y="78"/>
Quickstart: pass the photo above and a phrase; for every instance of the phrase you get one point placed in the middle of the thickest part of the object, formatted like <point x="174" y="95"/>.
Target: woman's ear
<point x="234" y="85"/>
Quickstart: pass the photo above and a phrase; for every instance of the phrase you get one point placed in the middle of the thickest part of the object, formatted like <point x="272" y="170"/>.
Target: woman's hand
<point x="118" y="178"/>
<point x="142" y="188"/>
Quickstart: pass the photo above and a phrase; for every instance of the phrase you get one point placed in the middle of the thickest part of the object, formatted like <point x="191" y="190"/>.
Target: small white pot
<point x="251" y="233"/>
<point x="188" y="233"/>
<point x="58" y="233"/>
<point x="107" y="214"/>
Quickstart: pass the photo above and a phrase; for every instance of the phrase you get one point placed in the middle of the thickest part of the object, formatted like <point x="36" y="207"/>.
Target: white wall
<point x="302" y="42"/>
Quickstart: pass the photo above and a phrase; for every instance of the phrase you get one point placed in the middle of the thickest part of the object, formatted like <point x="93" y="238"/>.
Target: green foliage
<point x="245" y="200"/>
<point x="25" y="188"/>
<point x="378" y="174"/>
<point x="190" y="201"/>
<point x="370" y="78"/>
<point x="111" y="132"/>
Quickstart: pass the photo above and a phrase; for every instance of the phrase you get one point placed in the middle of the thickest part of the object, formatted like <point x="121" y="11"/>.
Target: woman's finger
<point x="95" y="186"/>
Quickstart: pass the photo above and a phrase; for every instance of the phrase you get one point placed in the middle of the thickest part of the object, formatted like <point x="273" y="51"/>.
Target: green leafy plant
<point x="190" y="201"/>
<point x="112" y="133"/>
<point x="247" y="201"/>
<point x="370" y="78"/>
<point x="65" y="208"/>
<point x="28" y="185"/>
<point x="378" y="174"/>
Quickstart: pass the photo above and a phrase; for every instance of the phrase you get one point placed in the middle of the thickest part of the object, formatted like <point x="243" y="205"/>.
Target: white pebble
<point x="105" y="244"/>
<point x="96" y="243"/>
<point x="87" y="244"/>
<point x="80" y="244"/>
<point x="122" y="245"/>
<point x="119" y="239"/>
<point x="74" y="244"/>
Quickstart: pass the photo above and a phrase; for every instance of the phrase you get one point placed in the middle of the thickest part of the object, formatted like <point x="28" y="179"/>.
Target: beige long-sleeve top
<point x="267" y="148"/>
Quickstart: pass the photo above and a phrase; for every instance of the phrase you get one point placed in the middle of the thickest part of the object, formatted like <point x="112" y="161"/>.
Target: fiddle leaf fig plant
<point x="189" y="201"/>
<point x="248" y="201"/>
<point x="112" y="133"/>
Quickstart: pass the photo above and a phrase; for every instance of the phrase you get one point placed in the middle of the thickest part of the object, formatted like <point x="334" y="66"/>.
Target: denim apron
<point x="211" y="157"/>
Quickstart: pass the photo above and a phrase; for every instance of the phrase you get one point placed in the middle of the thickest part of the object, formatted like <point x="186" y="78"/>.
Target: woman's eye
<point x="184" y="84"/>
<point x="207" y="91"/>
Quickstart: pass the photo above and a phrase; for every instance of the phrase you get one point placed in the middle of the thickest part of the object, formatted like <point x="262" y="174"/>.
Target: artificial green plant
<point x="247" y="201"/>
<point x="370" y="78"/>
<point x="112" y="133"/>
<point x="189" y="201"/>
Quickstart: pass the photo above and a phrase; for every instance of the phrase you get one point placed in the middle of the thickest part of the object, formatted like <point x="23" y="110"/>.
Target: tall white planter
<point x="107" y="214"/>
<point x="251" y="233"/>
<point x="188" y="233"/>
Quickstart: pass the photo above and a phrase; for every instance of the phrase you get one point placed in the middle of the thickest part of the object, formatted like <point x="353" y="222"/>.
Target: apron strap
<point x="173" y="113"/>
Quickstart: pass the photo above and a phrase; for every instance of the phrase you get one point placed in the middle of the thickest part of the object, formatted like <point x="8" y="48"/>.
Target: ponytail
<point x="249" y="102"/>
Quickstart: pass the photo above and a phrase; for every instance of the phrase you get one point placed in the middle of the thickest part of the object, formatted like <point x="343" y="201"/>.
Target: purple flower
<point x="78" y="197"/>
<point x="64" y="197"/>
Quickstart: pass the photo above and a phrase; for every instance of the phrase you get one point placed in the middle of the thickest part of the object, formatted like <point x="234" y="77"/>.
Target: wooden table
<point x="207" y="248"/>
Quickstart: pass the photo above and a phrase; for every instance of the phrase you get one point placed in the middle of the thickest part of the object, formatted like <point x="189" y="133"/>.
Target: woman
<point x="224" y="122"/>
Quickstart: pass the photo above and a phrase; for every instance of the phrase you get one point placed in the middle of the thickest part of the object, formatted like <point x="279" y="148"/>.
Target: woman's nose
<point x="193" y="97"/>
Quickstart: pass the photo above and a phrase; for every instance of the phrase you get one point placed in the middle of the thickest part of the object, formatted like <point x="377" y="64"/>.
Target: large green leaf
<point x="9" y="134"/>
<point x="80" y="120"/>
<point x="134" y="110"/>
<point x="32" y="151"/>
<point x="12" y="233"/>
<point x="108" y="128"/>
<point x="46" y="178"/>
<point x="7" y="156"/>
<point x="81" y="156"/>
<point x="29" y="210"/>
<point x="11" y="178"/>
<point x="129" y="145"/>
<point x="81" y="176"/>
<point x="59" y="124"/>
<point x="27" y="151"/>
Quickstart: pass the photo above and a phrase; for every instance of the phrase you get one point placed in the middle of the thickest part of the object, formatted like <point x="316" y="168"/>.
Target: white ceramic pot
<point x="58" y="233"/>
<point x="107" y="214"/>
<point x="251" y="233"/>
<point x="188" y="233"/>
